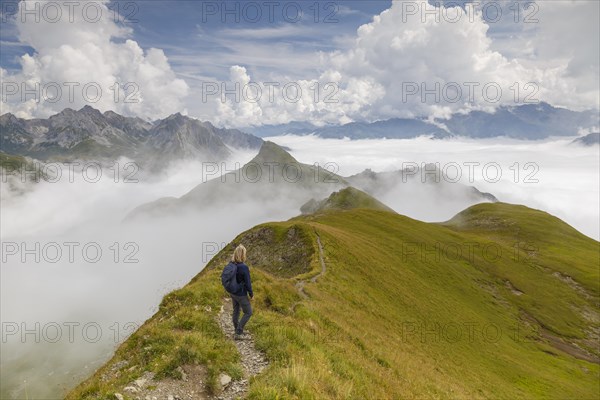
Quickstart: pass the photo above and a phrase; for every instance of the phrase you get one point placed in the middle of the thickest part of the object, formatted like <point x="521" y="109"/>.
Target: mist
<point x="552" y="175"/>
<point x="115" y="292"/>
<point x="101" y="297"/>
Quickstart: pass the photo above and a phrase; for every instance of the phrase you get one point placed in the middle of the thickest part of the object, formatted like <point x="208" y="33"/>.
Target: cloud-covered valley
<point x="166" y="253"/>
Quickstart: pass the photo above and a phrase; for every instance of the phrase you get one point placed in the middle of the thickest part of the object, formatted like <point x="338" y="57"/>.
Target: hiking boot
<point x="241" y="336"/>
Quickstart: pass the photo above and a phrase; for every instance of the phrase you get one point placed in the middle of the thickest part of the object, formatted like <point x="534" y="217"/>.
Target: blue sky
<point x="369" y="49"/>
<point x="201" y="36"/>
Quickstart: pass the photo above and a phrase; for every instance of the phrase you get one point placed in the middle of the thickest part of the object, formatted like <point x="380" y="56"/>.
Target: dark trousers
<point x="242" y="302"/>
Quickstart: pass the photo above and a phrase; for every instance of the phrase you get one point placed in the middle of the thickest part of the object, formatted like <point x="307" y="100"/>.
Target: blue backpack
<point x="228" y="278"/>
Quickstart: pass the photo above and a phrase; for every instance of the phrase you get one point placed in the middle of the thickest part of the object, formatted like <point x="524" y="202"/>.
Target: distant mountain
<point x="180" y="137"/>
<point x="345" y="199"/>
<point x="90" y="134"/>
<point x="396" y="128"/>
<point x="528" y="122"/>
<point x="71" y="134"/>
<point x="274" y="176"/>
<point x="531" y="121"/>
<point x="423" y="192"/>
<point x="593" y="139"/>
<point x="428" y="176"/>
<point x="235" y="138"/>
<point x="291" y="128"/>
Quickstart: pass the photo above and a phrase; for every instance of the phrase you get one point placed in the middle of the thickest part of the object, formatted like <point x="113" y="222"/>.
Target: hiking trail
<point x="253" y="361"/>
<point x="300" y="284"/>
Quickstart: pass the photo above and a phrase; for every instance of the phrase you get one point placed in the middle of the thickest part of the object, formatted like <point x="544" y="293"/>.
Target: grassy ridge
<point x="399" y="312"/>
<point x="345" y="199"/>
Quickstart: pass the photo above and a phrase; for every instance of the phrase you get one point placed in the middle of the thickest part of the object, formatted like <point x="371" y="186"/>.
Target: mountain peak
<point x="177" y="116"/>
<point x="271" y="152"/>
<point x="588" y="140"/>
<point x="66" y="111"/>
<point x="345" y="199"/>
<point x="87" y="108"/>
<point x="8" y="117"/>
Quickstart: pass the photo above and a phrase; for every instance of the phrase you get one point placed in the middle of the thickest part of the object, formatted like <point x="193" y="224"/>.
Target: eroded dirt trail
<point x="253" y="361"/>
<point x="300" y="285"/>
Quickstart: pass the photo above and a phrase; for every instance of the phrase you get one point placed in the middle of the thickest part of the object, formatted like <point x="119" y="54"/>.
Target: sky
<point x="253" y="63"/>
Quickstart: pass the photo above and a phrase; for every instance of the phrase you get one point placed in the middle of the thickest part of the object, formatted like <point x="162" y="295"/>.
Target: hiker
<point x="236" y="280"/>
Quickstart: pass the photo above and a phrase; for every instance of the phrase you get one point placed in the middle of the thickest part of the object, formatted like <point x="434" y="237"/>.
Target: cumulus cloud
<point x="456" y="53"/>
<point x="87" y="48"/>
<point x="325" y="99"/>
<point x="407" y="62"/>
<point x="568" y="36"/>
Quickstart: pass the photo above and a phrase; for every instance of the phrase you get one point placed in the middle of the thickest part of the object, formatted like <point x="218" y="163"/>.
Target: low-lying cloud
<point x="70" y="223"/>
<point x="552" y="175"/>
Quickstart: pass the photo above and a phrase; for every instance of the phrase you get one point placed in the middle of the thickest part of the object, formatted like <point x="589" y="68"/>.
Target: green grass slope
<point x="12" y="162"/>
<point x="21" y="168"/>
<point x="404" y="309"/>
<point x="345" y="199"/>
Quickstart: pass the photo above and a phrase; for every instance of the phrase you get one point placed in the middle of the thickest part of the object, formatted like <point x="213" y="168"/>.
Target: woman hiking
<point x="236" y="279"/>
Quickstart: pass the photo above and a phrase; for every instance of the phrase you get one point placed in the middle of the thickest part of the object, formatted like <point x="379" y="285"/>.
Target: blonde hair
<point x="239" y="254"/>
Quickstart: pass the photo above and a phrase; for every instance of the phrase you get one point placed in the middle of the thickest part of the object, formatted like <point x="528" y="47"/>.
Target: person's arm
<point x="247" y="281"/>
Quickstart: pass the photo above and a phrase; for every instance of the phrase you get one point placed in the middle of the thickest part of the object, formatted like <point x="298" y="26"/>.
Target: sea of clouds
<point x="102" y="301"/>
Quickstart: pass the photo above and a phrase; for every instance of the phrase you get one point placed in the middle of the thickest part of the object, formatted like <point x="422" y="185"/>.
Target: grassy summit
<point x="500" y="302"/>
<point x="345" y="199"/>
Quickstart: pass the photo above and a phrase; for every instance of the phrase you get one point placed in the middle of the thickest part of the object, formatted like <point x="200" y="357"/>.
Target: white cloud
<point x="283" y="100"/>
<point x="173" y="250"/>
<point x="400" y="55"/>
<point x="568" y="34"/>
<point x="566" y="175"/>
<point x="397" y="52"/>
<point x="94" y="53"/>
<point x="410" y="53"/>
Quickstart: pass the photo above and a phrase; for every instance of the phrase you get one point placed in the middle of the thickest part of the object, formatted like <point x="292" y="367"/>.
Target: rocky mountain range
<point x="89" y="134"/>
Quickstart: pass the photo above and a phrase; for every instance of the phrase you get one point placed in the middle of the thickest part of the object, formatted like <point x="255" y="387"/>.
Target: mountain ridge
<point x="385" y="320"/>
<point x="275" y="174"/>
<point x="527" y="122"/>
<point x="89" y="134"/>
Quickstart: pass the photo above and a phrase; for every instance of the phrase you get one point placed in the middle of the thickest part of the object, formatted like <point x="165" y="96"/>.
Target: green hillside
<point x="345" y="199"/>
<point x="21" y="168"/>
<point x="500" y="302"/>
<point x="12" y="162"/>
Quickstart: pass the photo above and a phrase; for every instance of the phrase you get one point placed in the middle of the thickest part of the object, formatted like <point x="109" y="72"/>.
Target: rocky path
<point x="253" y="361"/>
<point x="192" y="386"/>
<point x="300" y="284"/>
